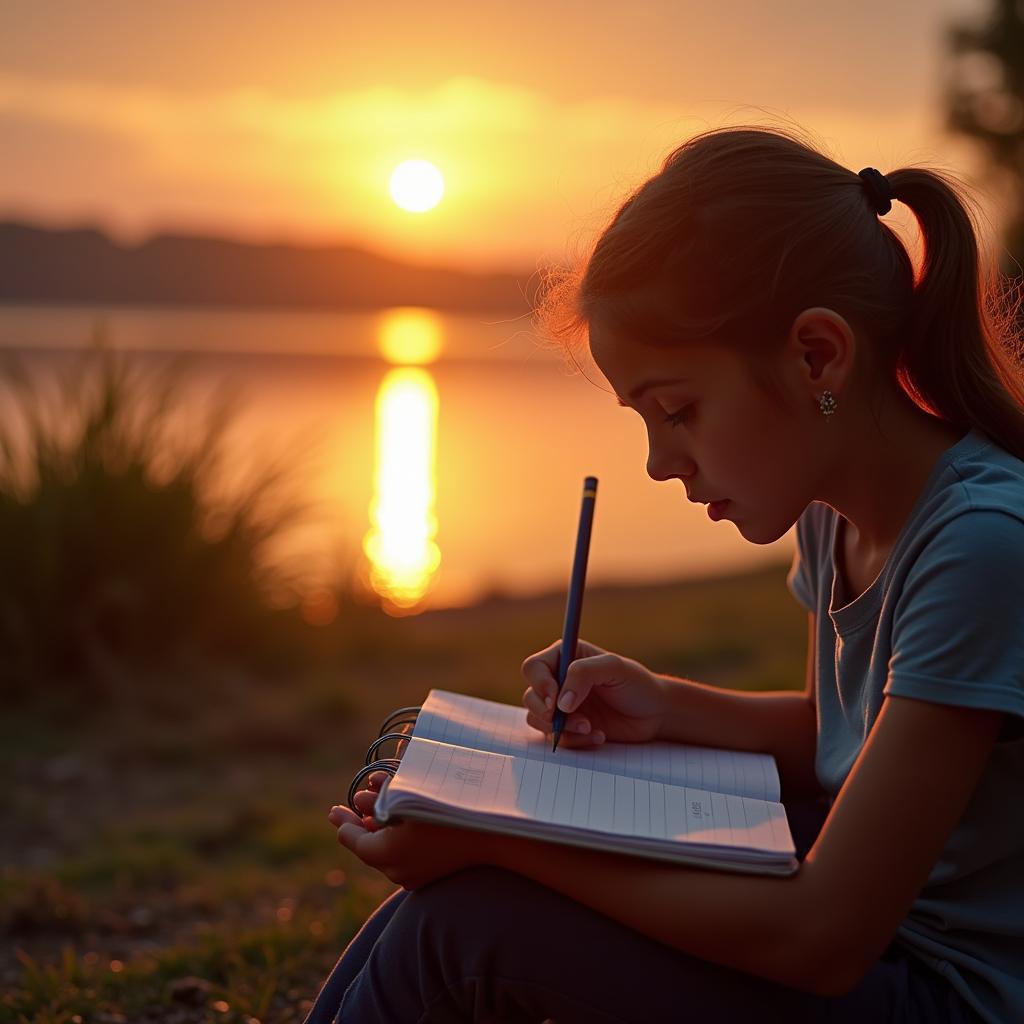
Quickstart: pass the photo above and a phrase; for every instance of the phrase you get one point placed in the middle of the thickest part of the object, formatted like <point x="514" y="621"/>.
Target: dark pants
<point x="488" y="945"/>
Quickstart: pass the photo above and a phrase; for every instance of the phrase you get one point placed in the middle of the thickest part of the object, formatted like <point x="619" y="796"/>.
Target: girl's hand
<point x="411" y="854"/>
<point x="609" y="697"/>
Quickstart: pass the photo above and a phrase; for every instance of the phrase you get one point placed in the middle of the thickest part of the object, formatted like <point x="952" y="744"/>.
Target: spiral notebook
<point x="476" y="764"/>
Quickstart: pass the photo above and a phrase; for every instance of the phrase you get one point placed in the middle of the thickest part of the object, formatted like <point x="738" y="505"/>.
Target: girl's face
<point x="710" y="425"/>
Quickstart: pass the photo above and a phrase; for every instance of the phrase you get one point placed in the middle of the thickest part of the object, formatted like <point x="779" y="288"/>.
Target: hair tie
<point x="878" y="189"/>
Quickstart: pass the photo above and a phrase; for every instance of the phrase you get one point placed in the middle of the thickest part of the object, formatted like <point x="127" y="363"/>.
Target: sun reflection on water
<point x="410" y="335"/>
<point x="400" y="545"/>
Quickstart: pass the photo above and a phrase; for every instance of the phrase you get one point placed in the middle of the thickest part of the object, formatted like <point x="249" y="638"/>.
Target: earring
<point x="828" y="404"/>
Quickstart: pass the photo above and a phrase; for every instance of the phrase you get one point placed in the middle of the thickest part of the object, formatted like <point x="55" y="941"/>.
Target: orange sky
<point x="275" y="121"/>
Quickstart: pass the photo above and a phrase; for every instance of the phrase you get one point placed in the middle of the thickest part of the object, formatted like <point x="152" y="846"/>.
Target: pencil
<point x="574" y="601"/>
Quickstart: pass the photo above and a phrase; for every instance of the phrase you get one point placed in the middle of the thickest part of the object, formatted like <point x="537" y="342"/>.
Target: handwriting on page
<point x="498" y="728"/>
<point x="562" y="794"/>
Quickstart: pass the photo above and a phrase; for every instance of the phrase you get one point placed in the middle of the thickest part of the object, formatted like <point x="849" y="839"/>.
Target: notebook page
<point x="501" y="728"/>
<point x="561" y="797"/>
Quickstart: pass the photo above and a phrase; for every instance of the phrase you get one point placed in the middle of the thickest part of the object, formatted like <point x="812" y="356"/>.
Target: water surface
<point x="450" y="448"/>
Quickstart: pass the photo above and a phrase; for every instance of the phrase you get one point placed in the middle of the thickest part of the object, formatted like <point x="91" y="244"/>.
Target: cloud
<point x="523" y="172"/>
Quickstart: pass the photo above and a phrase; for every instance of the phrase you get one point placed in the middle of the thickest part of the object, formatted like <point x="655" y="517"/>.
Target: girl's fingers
<point x="584" y="674"/>
<point x="570" y="738"/>
<point x="365" y="800"/>
<point x="339" y="816"/>
<point x="539" y="671"/>
<point x="580" y="731"/>
<point x="535" y="721"/>
<point x="544" y="664"/>
<point x="349" y="835"/>
<point x="580" y="741"/>
<point x="577" y="725"/>
<point x="533" y="701"/>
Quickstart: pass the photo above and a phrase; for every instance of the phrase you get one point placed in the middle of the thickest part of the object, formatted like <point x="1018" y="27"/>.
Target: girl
<point x="791" y="367"/>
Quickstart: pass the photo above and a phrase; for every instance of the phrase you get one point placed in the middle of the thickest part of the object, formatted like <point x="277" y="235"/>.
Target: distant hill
<point x="84" y="266"/>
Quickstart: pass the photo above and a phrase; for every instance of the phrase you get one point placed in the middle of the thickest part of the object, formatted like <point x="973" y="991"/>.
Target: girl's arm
<point x="781" y="723"/>
<point x="822" y="929"/>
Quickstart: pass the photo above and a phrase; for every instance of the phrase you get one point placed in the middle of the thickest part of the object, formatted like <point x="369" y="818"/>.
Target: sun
<point x="416" y="185"/>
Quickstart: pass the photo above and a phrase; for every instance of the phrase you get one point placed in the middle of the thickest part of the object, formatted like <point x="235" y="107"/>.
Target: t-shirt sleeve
<point x="803" y="569"/>
<point x="958" y="625"/>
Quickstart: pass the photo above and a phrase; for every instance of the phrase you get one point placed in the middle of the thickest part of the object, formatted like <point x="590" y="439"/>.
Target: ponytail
<point x="961" y="357"/>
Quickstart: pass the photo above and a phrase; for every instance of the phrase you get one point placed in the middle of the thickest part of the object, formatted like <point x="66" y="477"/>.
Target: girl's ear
<point x="822" y="347"/>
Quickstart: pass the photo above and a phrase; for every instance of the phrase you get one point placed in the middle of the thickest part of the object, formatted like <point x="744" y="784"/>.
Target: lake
<point x="448" y="451"/>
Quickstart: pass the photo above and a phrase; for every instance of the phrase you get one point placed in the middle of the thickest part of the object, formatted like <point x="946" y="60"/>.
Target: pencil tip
<point x="554" y="744"/>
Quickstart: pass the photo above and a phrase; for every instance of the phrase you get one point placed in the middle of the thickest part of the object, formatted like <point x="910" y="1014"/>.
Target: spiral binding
<point x="409" y="713"/>
<point x="371" y="751"/>
<point x="385" y="764"/>
<point x="398" y="718"/>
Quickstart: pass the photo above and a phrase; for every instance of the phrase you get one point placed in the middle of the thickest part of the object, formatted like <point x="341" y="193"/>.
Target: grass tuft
<point x="132" y="539"/>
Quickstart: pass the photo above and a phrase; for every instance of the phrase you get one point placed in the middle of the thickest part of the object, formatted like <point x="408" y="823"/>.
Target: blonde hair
<point x="748" y="226"/>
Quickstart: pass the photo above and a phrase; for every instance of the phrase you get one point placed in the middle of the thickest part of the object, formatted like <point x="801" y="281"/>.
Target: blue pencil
<point x="574" y="602"/>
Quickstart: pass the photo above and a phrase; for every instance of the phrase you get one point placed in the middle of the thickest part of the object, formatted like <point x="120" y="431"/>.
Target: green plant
<point x="128" y="533"/>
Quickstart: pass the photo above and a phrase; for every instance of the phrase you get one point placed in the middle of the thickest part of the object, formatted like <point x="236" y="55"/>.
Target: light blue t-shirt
<point x="943" y="622"/>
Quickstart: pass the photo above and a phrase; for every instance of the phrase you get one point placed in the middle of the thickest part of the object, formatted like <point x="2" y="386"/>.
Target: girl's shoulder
<point x="972" y="508"/>
<point x="979" y="475"/>
<point x="973" y="504"/>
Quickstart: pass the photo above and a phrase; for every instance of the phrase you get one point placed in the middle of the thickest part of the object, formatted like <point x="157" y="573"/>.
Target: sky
<point x="283" y="122"/>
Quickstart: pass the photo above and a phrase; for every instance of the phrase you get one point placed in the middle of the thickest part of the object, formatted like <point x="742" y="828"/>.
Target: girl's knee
<point x="472" y="902"/>
<point x="472" y="892"/>
<point x="450" y="946"/>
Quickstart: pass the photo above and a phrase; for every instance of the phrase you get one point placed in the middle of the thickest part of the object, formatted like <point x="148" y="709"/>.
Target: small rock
<point x="64" y="769"/>
<point x="141" y="918"/>
<point x="191" y="991"/>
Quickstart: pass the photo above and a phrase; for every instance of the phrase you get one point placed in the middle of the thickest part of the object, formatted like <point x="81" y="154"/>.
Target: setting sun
<point x="416" y="185"/>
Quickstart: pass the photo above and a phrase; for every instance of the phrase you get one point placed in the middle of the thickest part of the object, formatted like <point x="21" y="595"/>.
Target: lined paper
<point x="551" y="798"/>
<point x="475" y="723"/>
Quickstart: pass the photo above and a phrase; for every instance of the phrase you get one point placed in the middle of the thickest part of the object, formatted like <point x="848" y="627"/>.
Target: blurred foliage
<point x="131" y="540"/>
<point x="984" y="99"/>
